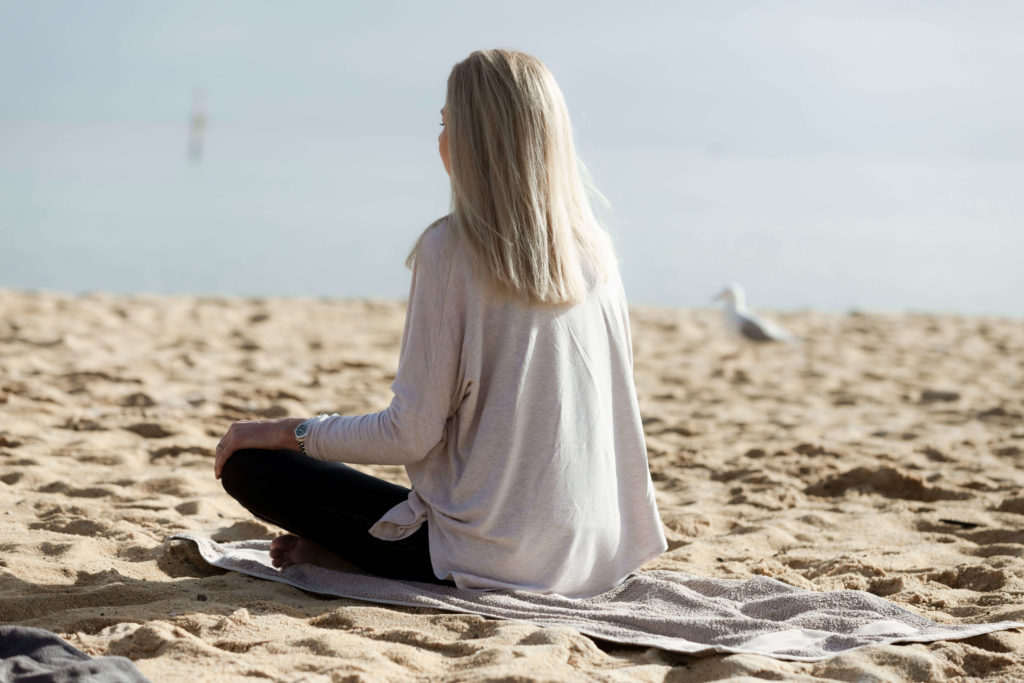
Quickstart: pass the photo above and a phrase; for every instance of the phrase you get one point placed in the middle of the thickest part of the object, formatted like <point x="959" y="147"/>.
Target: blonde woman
<point x="514" y="409"/>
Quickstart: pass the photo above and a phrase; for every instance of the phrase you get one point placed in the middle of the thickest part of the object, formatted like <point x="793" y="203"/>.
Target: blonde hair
<point x="518" y="198"/>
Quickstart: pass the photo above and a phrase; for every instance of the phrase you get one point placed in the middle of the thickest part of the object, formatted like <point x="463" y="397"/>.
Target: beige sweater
<point x="520" y="431"/>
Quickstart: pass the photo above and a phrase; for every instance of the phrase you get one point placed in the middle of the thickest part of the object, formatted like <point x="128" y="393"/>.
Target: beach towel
<point x="670" y="610"/>
<point x="34" y="655"/>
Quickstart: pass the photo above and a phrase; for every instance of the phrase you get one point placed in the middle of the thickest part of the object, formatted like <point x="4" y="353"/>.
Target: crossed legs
<point x="329" y="509"/>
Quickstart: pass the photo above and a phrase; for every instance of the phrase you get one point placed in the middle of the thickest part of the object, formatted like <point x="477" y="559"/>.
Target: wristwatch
<point x="301" y="432"/>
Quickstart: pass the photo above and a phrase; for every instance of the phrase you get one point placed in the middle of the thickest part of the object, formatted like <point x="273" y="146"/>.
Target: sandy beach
<point x="884" y="454"/>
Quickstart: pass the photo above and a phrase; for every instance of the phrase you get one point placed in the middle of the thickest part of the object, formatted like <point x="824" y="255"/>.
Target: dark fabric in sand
<point x="32" y="655"/>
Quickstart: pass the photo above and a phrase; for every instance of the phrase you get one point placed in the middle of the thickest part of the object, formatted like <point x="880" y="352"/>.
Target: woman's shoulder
<point x="432" y="244"/>
<point x="434" y="239"/>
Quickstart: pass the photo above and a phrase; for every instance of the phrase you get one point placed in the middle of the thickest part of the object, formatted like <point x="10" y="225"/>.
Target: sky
<point x="824" y="154"/>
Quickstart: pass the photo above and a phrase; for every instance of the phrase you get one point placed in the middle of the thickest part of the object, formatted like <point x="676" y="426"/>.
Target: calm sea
<point x="275" y="212"/>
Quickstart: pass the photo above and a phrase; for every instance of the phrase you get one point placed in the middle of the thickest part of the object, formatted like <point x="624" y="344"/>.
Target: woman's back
<point x="540" y="478"/>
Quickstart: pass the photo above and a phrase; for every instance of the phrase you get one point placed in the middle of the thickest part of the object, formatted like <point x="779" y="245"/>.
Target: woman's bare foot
<point x="290" y="549"/>
<point x="284" y="551"/>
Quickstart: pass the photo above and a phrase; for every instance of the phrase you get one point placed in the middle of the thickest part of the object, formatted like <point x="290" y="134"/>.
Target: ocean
<point x="268" y="212"/>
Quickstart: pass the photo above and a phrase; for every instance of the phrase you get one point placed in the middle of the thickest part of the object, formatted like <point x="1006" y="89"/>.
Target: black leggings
<point x="330" y="504"/>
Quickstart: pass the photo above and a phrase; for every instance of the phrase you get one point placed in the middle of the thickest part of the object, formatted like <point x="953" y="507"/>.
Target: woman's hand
<point x="265" y="434"/>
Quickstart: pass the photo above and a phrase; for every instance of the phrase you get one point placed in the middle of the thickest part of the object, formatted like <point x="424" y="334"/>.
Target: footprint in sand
<point x="886" y="481"/>
<point x="82" y="424"/>
<point x="244" y="531"/>
<point x="181" y="558"/>
<point x="23" y="462"/>
<point x="108" y="460"/>
<point x="87" y="492"/>
<point x="1014" y="505"/>
<point x="78" y="527"/>
<point x="191" y="508"/>
<point x="154" y="638"/>
<point x="137" y="400"/>
<point x="1000" y="416"/>
<point x="100" y="578"/>
<point x="995" y="549"/>
<point x="972" y="577"/>
<point x="149" y="430"/>
<point x="174" y="451"/>
<point x="179" y="487"/>
<point x="55" y="549"/>
<point x="979" y="536"/>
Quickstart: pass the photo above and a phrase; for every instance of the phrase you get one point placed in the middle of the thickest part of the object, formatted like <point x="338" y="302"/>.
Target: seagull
<point x="747" y="326"/>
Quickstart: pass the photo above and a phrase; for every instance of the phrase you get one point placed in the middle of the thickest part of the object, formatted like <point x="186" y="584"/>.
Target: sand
<point x="885" y="454"/>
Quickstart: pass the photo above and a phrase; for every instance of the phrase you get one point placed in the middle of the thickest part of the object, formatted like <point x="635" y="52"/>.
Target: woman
<point x="514" y="408"/>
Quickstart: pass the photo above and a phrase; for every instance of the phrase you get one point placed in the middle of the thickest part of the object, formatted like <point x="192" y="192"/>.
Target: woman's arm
<point x="425" y="385"/>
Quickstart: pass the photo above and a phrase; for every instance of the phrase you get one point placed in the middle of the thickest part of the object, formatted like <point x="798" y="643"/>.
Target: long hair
<point x="518" y="199"/>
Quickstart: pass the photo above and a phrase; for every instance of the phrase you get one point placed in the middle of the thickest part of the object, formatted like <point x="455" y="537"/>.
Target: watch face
<point x="300" y="431"/>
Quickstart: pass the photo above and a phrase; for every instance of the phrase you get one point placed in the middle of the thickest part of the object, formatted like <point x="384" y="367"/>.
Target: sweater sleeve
<point x="425" y="384"/>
